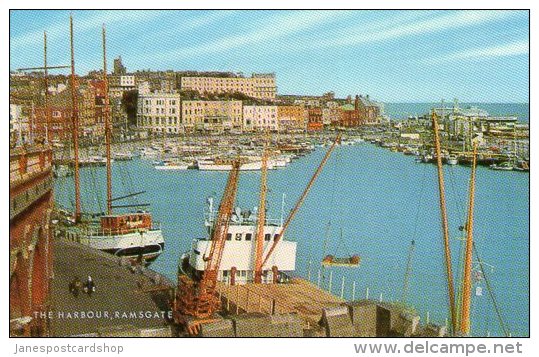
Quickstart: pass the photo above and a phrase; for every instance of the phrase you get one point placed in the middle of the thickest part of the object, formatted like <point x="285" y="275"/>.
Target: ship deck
<point x="297" y="296"/>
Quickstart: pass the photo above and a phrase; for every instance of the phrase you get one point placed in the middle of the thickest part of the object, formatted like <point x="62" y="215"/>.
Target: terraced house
<point x="258" y="86"/>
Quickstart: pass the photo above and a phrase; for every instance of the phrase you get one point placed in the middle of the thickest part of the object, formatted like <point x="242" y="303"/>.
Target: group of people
<point x="76" y="286"/>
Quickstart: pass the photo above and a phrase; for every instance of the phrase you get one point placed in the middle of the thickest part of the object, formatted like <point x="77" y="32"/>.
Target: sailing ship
<point x="134" y="235"/>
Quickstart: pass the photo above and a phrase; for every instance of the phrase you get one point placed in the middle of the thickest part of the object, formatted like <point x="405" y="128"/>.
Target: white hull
<point x="250" y="166"/>
<point x="149" y="244"/>
<point x="172" y="167"/>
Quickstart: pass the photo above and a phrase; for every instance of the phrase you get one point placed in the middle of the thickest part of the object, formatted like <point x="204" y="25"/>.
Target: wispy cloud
<point x="272" y="28"/>
<point x="386" y="30"/>
<point x="183" y="25"/>
<point x="510" y="49"/>
<point x="84" y="23"/>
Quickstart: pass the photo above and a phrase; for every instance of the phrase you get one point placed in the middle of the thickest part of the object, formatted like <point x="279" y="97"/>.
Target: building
<point x="314" y="121"/>
<point x="143" y="87"/>
<point x="292" y="117"/>
<point x="209" y="115"/>
<point x="57" y="122"/>
<point x="120" y="84"/>
<point x="330" y="115"/>
<point x="369" y="110"/>
<point x="159" y="112"/>
<point x="349" y="115"/>
<point x="258" y="86"/>
<point x="19" y="130"/>
<point x="119" y="68"/>
<point x="30" y="239"/>
<point x="260" y="118"/>
<point x="364" y="111"/>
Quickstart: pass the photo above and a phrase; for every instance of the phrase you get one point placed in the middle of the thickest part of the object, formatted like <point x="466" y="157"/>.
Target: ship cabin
<point x="238" y="260"/>
<point x="126" y="223"/>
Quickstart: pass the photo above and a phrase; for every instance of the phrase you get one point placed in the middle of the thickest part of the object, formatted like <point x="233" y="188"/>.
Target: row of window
<point x="249" y="236"/>
<point x="160" y="101"/>
<point x="159" y="121"/>
<point x="159" y="110"/>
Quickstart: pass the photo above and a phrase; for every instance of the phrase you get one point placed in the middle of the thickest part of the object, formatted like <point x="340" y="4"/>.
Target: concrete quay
<point x="127" y="301"/>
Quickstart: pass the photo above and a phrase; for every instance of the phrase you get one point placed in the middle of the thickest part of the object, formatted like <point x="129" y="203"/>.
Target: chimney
<point x="356" y="103"/>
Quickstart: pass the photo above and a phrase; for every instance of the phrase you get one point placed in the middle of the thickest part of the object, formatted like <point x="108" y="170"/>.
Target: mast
<point x="261" y="220"/>
<point x="467" y="280"/>
<point x="107" y="125"/>
<point x="75" y="119"/>
<point x="302" y="198"/>
<point x="47" y="117"/>
<point x="447" y="249"/>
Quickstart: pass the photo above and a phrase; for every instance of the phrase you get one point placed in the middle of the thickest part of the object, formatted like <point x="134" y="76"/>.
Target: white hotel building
<point x="160" y="112"/>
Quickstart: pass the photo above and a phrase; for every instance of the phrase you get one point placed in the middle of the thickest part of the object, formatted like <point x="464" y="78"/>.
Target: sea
<point x="367" y="201"/>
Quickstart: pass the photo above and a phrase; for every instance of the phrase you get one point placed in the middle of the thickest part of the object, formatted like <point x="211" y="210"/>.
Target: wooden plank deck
<point x="299" y="296"/>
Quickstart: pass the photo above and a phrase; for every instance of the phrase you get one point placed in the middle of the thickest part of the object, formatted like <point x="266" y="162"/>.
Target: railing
<point x="98" y="231"/>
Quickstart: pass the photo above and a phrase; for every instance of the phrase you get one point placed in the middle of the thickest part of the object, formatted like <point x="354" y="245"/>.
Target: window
<point x="229" y="236"/>
<point x="267" y="237"/>
<point x="238" y="236"/>
<point x="275" y="237"/>
<point x="248" y="236"/>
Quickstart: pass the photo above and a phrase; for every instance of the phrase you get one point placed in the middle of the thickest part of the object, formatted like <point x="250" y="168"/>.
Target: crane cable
<point x="491" y="294"/>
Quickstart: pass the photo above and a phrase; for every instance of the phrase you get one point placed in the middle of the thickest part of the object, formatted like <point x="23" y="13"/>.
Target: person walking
<point x="89" y="286"/>
<point x="75" y="287"/>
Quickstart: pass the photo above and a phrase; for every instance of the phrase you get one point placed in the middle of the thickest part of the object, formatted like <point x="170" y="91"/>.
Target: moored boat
<point x="172" y="165"/>
<point x="504" y="166"/>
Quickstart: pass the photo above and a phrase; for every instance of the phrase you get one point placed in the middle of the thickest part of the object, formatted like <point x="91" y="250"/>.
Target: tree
<point x="129" y="105"/>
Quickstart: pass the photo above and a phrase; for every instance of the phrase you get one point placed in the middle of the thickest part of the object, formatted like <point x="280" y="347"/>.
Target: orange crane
<point x="261" y="220"/>
<point x="300" y="201"/>
<point x="196" y="301"/>
<point x="445" y="226"/>
<point x="467" y="280"/>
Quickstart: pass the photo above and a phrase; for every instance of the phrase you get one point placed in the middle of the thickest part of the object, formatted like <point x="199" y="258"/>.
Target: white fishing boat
<point x="504" y="166"/>
<point x="94" y="160"/>
<point x="172" y="165"/>
<point x="226" y="165"/>
<point x="452" y="160"/>
<point x="237" y="262"/>
<point x="122" y="156"/>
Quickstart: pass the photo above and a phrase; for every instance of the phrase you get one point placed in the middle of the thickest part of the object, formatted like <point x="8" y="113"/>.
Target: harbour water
<point x="381" y="201"/>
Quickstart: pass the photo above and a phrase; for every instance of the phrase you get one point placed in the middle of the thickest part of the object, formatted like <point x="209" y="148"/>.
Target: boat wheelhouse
<point x="238" y="260"/>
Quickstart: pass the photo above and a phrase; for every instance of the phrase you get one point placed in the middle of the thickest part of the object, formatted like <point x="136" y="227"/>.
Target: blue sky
<point x="395" y="56"/>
